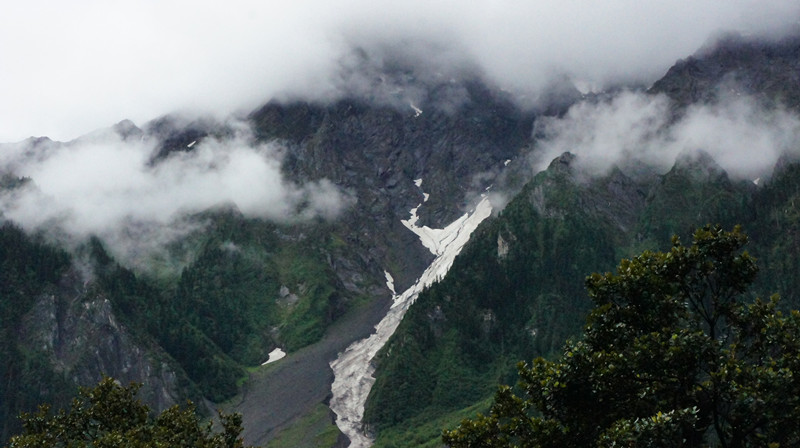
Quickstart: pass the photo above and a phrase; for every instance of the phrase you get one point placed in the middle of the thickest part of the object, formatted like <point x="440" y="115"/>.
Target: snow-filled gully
<point x="353" y="370"/>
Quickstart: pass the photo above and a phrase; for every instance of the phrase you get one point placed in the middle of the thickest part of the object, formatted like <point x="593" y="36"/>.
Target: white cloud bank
<point x="103" y="185"/>
<point x="67" y="68"/>
<point x="744" y="138"/>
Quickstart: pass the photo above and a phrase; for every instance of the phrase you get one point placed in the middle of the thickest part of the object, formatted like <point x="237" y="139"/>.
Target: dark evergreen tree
<point x="671" y="356"/>
<point x="109" y="415"/>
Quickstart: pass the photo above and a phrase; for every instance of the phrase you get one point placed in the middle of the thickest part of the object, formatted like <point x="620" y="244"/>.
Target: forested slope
<point x="517" y="290"/>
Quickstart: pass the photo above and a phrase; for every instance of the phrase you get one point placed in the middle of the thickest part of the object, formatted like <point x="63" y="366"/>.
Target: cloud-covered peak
<point x="71" y="68"/>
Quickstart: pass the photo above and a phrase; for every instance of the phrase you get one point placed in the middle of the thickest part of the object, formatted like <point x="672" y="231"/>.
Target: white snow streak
<point x="274" y="356"/>
<point x="353" y="370"/>
<point x="390" y="282"/>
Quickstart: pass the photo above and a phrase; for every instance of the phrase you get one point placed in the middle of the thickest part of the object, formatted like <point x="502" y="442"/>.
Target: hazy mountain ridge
<point x="736" y="64"/>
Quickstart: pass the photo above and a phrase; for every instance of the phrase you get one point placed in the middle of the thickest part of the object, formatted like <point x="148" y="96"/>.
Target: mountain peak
<point x="127" y="129"/>
<point x="762" y="67"/>
<point x="698" y="166"/>
<point x="562" y="163"/>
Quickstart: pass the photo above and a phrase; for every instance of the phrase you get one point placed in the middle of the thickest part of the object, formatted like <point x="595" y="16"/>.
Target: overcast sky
<point x="67" y="68"/>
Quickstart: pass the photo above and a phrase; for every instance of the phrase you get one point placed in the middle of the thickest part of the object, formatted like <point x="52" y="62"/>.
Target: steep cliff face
<point x="77" y="330"/>
<point x="378" y="152"/>
<point x="391" y="160"/>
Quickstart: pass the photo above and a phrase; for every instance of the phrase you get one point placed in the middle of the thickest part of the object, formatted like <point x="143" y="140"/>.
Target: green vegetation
<point x="464" y="334"/>
<point x="425" y="430"/>
<point x="671" y="356"/>
<point x="109" y="415"/>
<point x="516" y="291"/>
<point x="695" y="191"/>
<point x="315" y="430"/>
<point x="225" y="311"/>
<point x="28" y="268"/>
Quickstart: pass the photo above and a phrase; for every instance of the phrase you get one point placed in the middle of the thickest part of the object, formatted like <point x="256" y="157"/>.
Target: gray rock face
<point x="378" y="152"/>
<point x="735" y="65"/>
<point x="84" y="340"/>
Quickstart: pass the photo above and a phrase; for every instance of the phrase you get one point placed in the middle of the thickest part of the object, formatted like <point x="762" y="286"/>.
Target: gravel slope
<point x="278" y="394"/>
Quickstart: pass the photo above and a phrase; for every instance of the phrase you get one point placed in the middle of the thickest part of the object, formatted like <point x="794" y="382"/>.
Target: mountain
<point x="194" y="313"/>
<point x="516" y="292"/>
<point x="193" y="318"/>
<point x="732" y="63"/>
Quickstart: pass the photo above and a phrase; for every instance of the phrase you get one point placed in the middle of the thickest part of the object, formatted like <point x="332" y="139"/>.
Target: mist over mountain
<point x="636" y="128"/>
<point x="265" y="210"/>
<point x="69" y="70"/>
<point x="107" y="184"/>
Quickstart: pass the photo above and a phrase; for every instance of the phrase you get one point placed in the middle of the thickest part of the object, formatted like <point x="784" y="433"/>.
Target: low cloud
<point x="744" y="138"/>
<point x="72" y="67"/>
<point x="104" y="186"/>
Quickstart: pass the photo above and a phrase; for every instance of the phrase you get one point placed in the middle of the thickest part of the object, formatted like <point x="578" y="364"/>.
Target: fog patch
<point x="406" y="74"/>
<point x="105" y="186"/>
<point x="633" y="128"/>
<point x="71" y="67"/>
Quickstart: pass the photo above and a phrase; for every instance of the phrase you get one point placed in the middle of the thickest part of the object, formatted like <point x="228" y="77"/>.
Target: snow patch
<point x="506" y="162"/>
<point x="191" y="144"/>
<point x="418" y="183"/>
<point x="390" y="282"/>
<point x="438" y="240"/>
<point x="417" y="110"/>
<point x="274" y="356"/>
<point x="353" y="370"/>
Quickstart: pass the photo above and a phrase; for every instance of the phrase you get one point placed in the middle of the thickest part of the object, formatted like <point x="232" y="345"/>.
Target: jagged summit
<point x="562" y="162"/>
<point x="737" y="65"/>
<point x="127" y="130"/>
<point x="699" y="166"/>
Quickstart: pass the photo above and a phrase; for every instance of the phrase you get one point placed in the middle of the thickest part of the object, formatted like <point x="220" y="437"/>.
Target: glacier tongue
<point x="353" y="370"/>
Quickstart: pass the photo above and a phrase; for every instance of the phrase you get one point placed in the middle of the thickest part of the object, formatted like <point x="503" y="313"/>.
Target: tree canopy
<point x="673" y="354"/>
<point x="109" y="415"/>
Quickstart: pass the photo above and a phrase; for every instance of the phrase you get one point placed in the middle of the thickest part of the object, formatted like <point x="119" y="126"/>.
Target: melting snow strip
<point x="353" y="370"/>
<point x="390" y="282"/>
